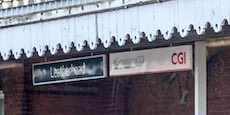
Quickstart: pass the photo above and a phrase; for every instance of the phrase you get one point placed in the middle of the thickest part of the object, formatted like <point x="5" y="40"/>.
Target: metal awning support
<point x="200" y="78"/>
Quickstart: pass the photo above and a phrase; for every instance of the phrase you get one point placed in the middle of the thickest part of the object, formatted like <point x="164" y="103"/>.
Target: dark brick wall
<point x="75" y="98"/>
<point x="64" y="105"/>
<point x="161" y="94"/>
<point x="13" y="89"/>
<point x="154" y="94"/>
<point x="219" y="83"/>
<point x="113" y="97"/>
<point x="72" y="98"/>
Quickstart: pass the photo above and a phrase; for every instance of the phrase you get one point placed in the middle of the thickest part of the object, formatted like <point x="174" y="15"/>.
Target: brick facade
<point x="13" y="88"/>
<point x="72" y="98"/>
<point x="161" y="94"/>
<point x="154" y="94"/>
<point x="219" y="84"/>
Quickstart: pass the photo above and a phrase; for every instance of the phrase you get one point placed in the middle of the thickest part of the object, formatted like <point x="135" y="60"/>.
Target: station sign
<point x="92" y="67"/>
<point x="169" y="59"/>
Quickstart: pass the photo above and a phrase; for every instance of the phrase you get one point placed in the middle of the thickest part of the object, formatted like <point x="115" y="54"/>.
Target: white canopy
<point x="105" y="20"/>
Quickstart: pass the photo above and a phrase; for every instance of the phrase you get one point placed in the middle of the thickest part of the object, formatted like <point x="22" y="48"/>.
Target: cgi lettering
<point x="178" y="58"/>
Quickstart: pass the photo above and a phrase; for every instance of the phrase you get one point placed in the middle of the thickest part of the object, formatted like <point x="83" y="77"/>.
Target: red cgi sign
<point x="159" y="60"/>
<point x="178" y="58"/>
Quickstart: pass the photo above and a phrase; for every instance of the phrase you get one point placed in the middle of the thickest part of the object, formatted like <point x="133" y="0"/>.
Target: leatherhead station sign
<point x="159" y="60"/>
<point x="69" y="70"/>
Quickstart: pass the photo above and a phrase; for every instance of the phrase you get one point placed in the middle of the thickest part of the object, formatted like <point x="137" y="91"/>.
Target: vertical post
<point x="200" y="78"/>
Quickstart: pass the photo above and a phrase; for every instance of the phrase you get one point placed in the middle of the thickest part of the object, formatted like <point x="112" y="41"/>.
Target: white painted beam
<point x="7" y="65"/>
<point x="200" y="78"/>
<point x="218" y="42"/>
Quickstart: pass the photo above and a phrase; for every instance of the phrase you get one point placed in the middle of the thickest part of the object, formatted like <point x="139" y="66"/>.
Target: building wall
<point x="64" y="104"/>
<point x="72" y="98"/>
<point x="162" y="94"/>
<point x="219" y="83"/>
<point x="154" y="94"/>
<point x="13" y="88"/>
